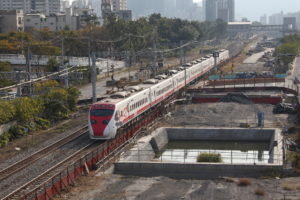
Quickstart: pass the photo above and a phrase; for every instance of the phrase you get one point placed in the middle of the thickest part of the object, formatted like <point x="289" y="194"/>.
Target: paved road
<point x="255" y="57"/>
<point x="86" y="91"/>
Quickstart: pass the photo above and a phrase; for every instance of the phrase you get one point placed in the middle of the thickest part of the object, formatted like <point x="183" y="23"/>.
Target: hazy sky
<point x="253" y="9"/>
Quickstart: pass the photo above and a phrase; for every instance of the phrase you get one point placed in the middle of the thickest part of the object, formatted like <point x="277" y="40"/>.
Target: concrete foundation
<point x="139" y="161"/>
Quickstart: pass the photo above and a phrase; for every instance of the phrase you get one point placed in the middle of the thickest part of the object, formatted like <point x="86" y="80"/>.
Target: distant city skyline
<point x="251" y="10"/>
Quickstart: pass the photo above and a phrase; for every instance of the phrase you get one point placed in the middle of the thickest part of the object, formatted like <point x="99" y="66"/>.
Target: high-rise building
<point x="29" y="6"/>
<point x="119" y="5"/>
<point x="263" y="20"/>
<point x="219" y="9"/>
<point x="210" y="7"/>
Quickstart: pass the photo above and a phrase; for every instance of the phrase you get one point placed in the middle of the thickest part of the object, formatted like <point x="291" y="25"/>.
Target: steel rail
<point x="22" y="190"/>
<point x="14" y="168"/>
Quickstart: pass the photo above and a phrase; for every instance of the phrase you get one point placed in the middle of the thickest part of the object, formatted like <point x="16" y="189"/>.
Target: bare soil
<point x="116" y="187"/>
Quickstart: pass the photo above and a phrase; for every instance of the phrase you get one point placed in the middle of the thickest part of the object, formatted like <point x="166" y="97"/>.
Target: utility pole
<point x="94" y="77"/>
<point x="129" y="61"/>
<point x="89" y="52"/>
<point x="154" y="64"/>
<point x="182" y="61"/>
<point x="65" y="67"/>
<point x="28" y="63"/>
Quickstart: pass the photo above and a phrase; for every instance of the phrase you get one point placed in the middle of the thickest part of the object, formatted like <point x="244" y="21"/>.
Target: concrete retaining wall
<point x="137" y="161"/>
<point x="192" y="171"/>
<point x="5" y="127"/>
<point x="159" y="139"/>
<point x="220" y="134"/>
<point x="142" y="151"/>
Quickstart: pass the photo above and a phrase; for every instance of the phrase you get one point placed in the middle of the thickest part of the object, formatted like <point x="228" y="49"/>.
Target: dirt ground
<point x="116" y="187"/>
<point x="225" y="115"/>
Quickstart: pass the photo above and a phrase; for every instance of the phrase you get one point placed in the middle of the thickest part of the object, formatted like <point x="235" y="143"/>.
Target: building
<point x="30" y="6"/>
<point x="219" y="9"/>
<point x="263" y="20"/>
<point x="11" y="20"/>
<point x="289" y="23"/>
<point x="118" y="5"/>
<point x="210" y="7"/>
<point x="96" y="5"/>
<point x="276" y="19"/>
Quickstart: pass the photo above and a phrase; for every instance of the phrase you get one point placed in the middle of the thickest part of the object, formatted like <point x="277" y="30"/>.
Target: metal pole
<point x="94" y="77"/>
<point x="66" y="78"/>
<point x="29" y="69"/>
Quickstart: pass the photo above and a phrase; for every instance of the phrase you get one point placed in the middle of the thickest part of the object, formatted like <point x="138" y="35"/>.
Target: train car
<point x="106" y="117"/>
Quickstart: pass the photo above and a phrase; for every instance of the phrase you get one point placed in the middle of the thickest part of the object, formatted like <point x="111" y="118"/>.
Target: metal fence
<point x="190" y="156"/>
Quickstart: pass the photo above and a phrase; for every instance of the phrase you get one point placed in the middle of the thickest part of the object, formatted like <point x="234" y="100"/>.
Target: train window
<point x="102" y="112"/>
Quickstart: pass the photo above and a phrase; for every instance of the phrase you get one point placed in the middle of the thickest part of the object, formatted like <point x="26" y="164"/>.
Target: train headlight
<point x="94" y="122"/>
<point x="105" y="122"/>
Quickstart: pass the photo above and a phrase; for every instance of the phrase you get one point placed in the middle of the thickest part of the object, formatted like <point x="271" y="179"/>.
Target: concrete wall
<point x="159" y="139"/>
<point x="192" y="171"/>
<point x="6" y="127"/>
<point x="137" y="161"/>
<point x="220" y="134"/>
<point x="142" y="151"/>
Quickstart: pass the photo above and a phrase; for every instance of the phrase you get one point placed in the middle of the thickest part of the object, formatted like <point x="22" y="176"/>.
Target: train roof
<point x="131" y="91"/>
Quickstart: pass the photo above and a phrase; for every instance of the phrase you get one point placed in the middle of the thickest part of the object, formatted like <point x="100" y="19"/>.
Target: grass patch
<point x="244" y="182"/>
<point x="259" y="192"/>
<point x="209" y="158"/>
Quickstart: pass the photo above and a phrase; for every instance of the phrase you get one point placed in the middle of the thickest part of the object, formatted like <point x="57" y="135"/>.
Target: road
<point x="255" y="57"/>
<point x="86" y="91"/>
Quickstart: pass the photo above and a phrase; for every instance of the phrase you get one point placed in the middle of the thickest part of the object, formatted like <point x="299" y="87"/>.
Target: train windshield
<point x="102" y="112"/>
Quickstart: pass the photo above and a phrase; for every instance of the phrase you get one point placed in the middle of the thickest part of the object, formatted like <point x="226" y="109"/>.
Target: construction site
<point x="246" y="112"/>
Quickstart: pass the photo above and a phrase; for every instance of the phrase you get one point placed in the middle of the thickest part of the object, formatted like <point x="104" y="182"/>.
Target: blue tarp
<point x="280" y="75"/>
<point x="230" y="76"/>
<point x="214" y="77"/>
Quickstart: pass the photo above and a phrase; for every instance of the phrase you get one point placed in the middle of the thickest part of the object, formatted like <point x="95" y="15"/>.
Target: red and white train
<point x="110" y="114"/>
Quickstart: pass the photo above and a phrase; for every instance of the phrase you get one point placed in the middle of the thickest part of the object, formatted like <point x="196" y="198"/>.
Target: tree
<point x="73" y="95"/>
<point x="27" y="109"/>
<point x="5" y="67"/>
<point x="55" y="103"/>
<point x="53" y="64"/>
<point x="7" y="111"/>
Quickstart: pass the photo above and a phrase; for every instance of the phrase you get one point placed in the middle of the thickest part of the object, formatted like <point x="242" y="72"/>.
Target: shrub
<point x="73" y="95"/>
<point x="295" y="159"/>
<point x="5" y="138"/>
<point x="244" y="182"/>
<point x="7" y="111"/>
<point x="42" y="123"/>
<point x="27" y="108"/>
<point x="260" y="192"/>
<point x="18" y="131"/>
<point x="209" y="157"/>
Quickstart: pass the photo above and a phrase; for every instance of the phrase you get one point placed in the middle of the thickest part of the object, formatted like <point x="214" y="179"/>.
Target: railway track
<point x="24" y="190"/>
<point x="14" y="168"/>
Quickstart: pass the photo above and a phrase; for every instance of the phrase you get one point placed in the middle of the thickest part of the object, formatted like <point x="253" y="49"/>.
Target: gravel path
<point x="37" y="168"/>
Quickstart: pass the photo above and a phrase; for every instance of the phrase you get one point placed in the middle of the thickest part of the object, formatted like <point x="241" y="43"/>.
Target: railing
<point x="190" y="156"/>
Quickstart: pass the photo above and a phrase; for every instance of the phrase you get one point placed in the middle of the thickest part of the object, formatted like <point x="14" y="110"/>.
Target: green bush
<point x="7" y="111"/>
<point x="42" y="123"/>
<point x="5" y="138"/>
<point x="73" y="95"/>
<point x="18" y="131"/>
<point x="209" y="157"/>
<point x="27" y="108"/>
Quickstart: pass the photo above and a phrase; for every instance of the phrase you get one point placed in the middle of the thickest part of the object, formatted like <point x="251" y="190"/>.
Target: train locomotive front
<point x="101" y="121"/>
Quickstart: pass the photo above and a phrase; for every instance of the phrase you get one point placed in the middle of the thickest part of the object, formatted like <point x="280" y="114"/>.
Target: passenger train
<point x="116" y="111"/>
